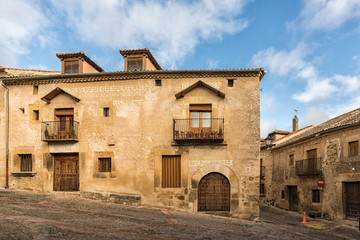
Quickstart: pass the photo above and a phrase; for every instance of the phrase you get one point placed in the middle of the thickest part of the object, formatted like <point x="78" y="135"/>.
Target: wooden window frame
<point x="315" y="195"/>
<point x="200" y="108"/>
<point x="353" y="148"/>
<point x="25" y="162"/>
<point x="71" y="66"/>
<point x="171" y="171"/>
<point x="104" y="164"/>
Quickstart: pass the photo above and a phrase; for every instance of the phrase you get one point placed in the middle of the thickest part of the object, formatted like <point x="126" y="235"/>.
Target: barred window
<point x="25" y="162"/>
<point x="104" y="165"/>
<point x="171" y="171"/>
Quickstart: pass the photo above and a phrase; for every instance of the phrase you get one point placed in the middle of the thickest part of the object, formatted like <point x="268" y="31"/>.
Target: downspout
<point x="7" y="136"/>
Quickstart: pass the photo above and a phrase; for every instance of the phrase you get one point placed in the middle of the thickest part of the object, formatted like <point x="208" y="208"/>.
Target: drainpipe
<point x="7" y="136"/>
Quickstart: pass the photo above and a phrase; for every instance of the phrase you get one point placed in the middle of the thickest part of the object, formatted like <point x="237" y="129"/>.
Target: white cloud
<point x="326" y="14"/>
<point x="293" y="65"/>
<point x="315" y="116"/>
<point x="281" y="62"/>
<point x="21" y="22"/>
<point x="316" y="90"/>
<point x="172" y="29"/>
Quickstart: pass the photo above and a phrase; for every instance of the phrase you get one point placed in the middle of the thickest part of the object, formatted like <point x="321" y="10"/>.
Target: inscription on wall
<point x="200" y="163"/>
<point x="109" y="91"/>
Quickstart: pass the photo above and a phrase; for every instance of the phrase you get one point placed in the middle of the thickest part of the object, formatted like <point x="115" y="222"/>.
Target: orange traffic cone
<point x="304" y="219"/>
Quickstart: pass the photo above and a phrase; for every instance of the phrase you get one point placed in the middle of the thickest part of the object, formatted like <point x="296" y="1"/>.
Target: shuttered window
<point x="171" y="171"/>
<point x="25" y="162"/>
<point x="353" y="148"/>
<point x="71" y="67"/>
<point x="104" y="164"/>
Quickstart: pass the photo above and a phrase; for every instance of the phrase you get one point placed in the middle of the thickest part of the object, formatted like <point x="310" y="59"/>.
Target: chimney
<point x="295" y="124"/>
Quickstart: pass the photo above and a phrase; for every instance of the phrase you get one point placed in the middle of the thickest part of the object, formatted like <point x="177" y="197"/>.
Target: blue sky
<point x="310" y="49"/>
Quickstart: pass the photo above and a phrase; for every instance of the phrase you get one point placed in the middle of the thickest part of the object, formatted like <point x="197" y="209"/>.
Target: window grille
<point x="25" y="162"/>
<point x="104" y="164"/>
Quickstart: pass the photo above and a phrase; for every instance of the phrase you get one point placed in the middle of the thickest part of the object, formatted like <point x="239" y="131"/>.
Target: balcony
<point x="198" y="130"/>
<point x="308" y="167"/>
<point x="59" y="131"/>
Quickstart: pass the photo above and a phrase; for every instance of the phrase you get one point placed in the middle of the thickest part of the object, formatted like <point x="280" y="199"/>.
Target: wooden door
<point x="293" y="198"/>
<point x="352" y="190"/>
<point x="312" y="161"/>
<point x="66" y="175"/>
<point x="214" y="193"/>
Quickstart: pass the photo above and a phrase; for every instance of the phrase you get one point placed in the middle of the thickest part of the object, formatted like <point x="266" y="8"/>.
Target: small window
<point x="158" y="82"/>
<point x="262" y="188"/>
<point x="291" y="160"/>
<point x="106" y="112"/>
<point x="171" y="171"/>
<point x="230" y="82"/>
<point x="316" y="195"/>
<point x="25" y="163"/>
<point x="36" y="114"/>
<point x="353" y="148"/>
<point x="35" y="90"/>
<point x="104" y="165"/>
<point x="283" y="194"/>
<point x="71" y="67"/>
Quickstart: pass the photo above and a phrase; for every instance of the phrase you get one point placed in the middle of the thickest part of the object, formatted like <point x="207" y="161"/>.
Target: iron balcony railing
<point x="59" y="131"/>
<point x="310" y="166"/>
<point x="262" y="171"/>
<point x="198" y="128"/>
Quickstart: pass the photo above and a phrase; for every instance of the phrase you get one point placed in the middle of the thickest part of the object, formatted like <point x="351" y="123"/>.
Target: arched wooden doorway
<point x="214" y="193"/>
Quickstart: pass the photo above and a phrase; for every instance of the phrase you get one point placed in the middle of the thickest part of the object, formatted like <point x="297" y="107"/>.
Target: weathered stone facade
<point x="128" y="117"/>
<point x="334" y="163"/>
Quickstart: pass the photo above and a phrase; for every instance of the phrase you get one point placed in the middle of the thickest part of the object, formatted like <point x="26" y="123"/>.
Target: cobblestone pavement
<point x="31" y="215"/>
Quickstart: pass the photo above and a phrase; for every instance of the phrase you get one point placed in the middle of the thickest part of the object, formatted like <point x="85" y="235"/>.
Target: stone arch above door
<point x="217" y="168"/>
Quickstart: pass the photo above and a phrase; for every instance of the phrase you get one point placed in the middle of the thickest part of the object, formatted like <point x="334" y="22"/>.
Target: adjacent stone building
<point x="180" y="138"/>
<point x="315" y="169"/>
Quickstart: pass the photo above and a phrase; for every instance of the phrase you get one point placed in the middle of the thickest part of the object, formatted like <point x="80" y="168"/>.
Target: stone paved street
<point x="30" y="215"/>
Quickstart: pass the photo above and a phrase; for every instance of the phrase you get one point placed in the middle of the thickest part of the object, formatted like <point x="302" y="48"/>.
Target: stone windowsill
<point x="23" y="174"/>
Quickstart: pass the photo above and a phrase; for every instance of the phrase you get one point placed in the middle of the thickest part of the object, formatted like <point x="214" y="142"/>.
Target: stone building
<point x="180" y="138"/>
<point x="315" y="169"/>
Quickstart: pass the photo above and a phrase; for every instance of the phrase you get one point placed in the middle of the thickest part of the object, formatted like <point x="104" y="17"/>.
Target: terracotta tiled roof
<point x="80" y="54"/>
<point x="348" y="119"/>
<point x="6" y="72"/>
<point x="118" y="76"/>
<point x="141" y="51"/>
<point x="199" y="84"/>
<point x="282" y="132"/>
<point x="54" y="93"/>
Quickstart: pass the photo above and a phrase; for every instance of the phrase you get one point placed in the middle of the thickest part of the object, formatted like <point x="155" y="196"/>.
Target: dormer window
<point x="71" y="66"/>
<point x="135" y="64"/>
